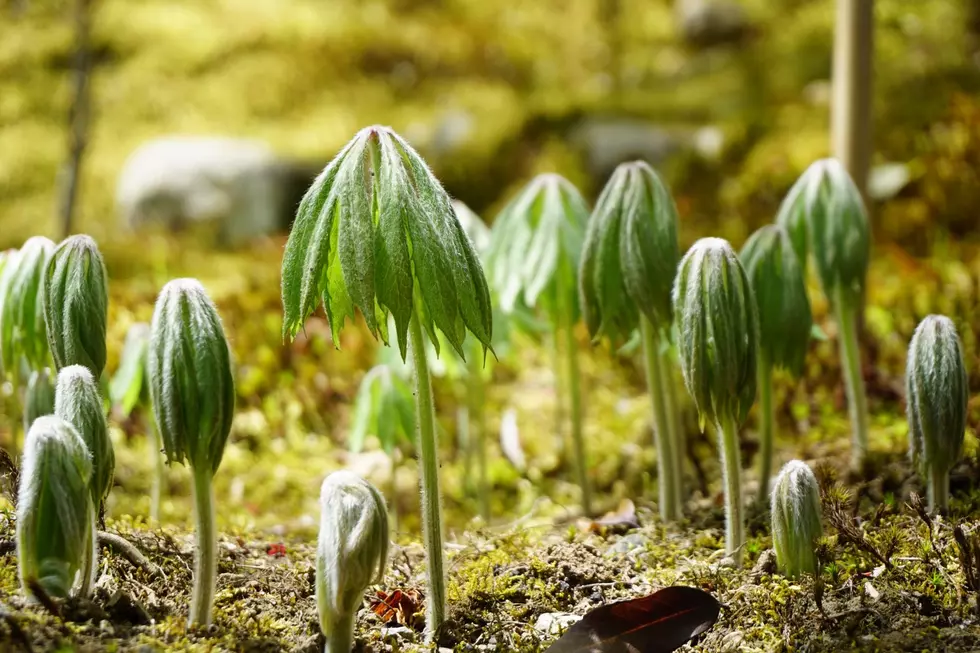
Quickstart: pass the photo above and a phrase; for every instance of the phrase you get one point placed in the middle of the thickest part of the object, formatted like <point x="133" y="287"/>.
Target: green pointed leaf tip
<point x="777" y="280"/>
<point x="39" y="396"/>
<point x="22" y="330"/>
<point x="823" y="213"/>
<point x="54" y="517"/>
<point x="352" y="548"/>
<point x="630" y="254"/>
<point x="937" y="393"/>
<point x="191" y="386"/>
<point x="75" y="298"/>
<point x="128" y="387"/>
<point x="795" y="514"/>
<point x="77" y="401"/>
<point x="475" y="228"/>
<point x="376" y="231"/>
<point x="718" y="331"/>
<point x="536" y="242"/>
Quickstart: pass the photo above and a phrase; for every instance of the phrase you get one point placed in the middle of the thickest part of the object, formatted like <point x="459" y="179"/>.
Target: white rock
<point x="555" y="623"/>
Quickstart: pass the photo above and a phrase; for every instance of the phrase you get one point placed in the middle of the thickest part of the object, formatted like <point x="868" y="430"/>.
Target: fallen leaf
<point x="659" y="623"/>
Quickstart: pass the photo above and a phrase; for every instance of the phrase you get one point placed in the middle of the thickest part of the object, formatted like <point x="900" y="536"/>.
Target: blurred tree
<point x="78" y="116"/>
<point x="852" y="80"/>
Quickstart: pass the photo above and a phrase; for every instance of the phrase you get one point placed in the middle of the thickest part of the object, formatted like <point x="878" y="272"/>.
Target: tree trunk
<point x="78" y="119"/>
<point x="852" y="82"/>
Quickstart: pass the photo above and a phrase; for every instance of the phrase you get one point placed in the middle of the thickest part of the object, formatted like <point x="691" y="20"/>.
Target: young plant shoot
<point x="129" y="390"/>
<point x="824" y="215"/>
<point x="55" y="522"/>
<point x="351" y="553"/>
<point x="376" y="231"/>
<point x="193" y="395"/>
<point x="628" y="268"/>
<point x="718" y="343"/>
<point x="75" y="298"/>
<point x="796" y="523"/>
<point x="533" y="259"/>
<point x="785" y="323"/>
<point x="22" y="331"/>
<point x="38" y="396"/>
<point x="937" y="392"/>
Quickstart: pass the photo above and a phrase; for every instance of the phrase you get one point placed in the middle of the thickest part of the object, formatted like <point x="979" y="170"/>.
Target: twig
<point x="130" y="552"/>
<point x="43" y="597"/>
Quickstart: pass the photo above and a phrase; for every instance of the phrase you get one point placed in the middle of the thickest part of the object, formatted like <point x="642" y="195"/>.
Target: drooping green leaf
<point x="23" y="329"/>
<point x="128" y="385"/>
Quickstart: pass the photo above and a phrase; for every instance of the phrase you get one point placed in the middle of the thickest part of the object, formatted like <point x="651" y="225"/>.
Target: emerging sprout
<point x="193" y="397"/>
<point x="533" y="259"/>
<point x="383" y="406"/>
<point x="55" y="520"/>
<point x="22" y="332"/>
<point x="824" y="215"/>
<point x="352" y="553"/>
<point x="937" y="392"/>
<point x="76" y="299"/>
<point x="785" y="322"/>
<point x="377" y="231"/>
<point x="796" y="524"/>
<point x="628" y="268"/>
<point x="38" y="397"/>
<point x="719" y="342"/>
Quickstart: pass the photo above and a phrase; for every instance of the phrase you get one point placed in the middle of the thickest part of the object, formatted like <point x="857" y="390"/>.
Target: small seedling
<point x="825" y="216"/>
<point x="718" y="342"/>
<point x="377" y="231"/>
<point x="628" y="267"/>
<point x="937" y="392"/>
<point x="533" y="259"/>
<point x="193" y="395"/>
<point x="351" y="553"/>
<point x="22" y="329"/>
<point x="785" y="323"/>
<point x="796" y="522"/>
<point x="55" y="520"/>
<point x="38" y="396"/>
<point x="75" y="299"/>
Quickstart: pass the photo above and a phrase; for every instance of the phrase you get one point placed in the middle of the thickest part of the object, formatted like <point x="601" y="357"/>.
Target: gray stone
<point x="400" y="634"/>
<point x="555" y="623"/>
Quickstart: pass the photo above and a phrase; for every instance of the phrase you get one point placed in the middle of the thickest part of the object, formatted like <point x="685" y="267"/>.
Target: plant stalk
<point x="938" y="490"/>
<point x="428" y="454"/>
<point x="857" y="400"/>
<point x="666" y="469"/>
<point x="766" y="427"/>
<point x="156" y="459"/>
<point x="731" y="463"/>
<point x="90" y="561"/>
<point x="667" y="382"/>
<point x="340" y="636"/>
<point x="206" y="555"/>
<point x="556" y="361"/>
<point x="478" y="433"/>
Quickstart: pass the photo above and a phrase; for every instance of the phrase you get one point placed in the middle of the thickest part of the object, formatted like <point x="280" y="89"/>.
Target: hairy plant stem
<point x="766" y="427"/>
<point x="667" y="383"/>
<point x="566" y="312"/>
<point x="938" y="490"/>
<point x="666" y="463"/>
<point x="90" y="561"/>
<point x="478" y="432"/>
<point x="429" y="471"/>
<point x="339" y="637"/>
<point x="857" y="400"/>
<point x="731" y="464"/>
<point x="206" y="555"/>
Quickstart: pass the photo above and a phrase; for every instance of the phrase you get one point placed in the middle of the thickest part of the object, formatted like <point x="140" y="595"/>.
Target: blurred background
<point x="130" y="120"/>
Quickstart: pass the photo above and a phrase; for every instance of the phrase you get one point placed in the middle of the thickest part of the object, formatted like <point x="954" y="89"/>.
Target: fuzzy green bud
<point x="631" y="253"/>
<point x="937" y="393"/>
<point x="76" y="303"/>
<point x="376" y="231"/>
<point x="77" y="402"/>
<point x="796" y="523"/>
<point x="55" y="520"/>
<point x="22" y="329"/>
<point x="352" y="553"/>
<point x="777" y="280"/>
<point x="718" y="330"/>
<point x="823" y="213"/>
<point x="38" y="396"/>
<point x="537" y="243"/>
<point x="129" y="385"/>
<point x="191" y="384"/>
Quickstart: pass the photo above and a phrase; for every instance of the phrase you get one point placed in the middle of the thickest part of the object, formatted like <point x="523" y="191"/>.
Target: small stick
<point x="121" y="546"/>
<point x="44" y="598"/>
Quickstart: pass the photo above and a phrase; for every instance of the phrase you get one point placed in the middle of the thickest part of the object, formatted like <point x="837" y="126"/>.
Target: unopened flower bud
<point x="55" y="522"/>
<point x="38" y="396"/>
<point x="22" y="330"/>
<point x="77" y="401"/>
<point x="937" y="391"/>
<point x="76" y="300"/>
<point x="191" y="384"/>
<point x="352" y="552"/>
<point x="796" y="523"/>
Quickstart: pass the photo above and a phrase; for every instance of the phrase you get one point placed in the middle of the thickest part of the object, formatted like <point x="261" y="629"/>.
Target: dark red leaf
<point x="659" y="623"/>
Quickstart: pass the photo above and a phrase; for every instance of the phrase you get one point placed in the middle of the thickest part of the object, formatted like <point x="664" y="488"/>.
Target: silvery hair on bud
<point x="796" y="523"/>
<point x="78" y="402"/>
<point x="352" y="550"/>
